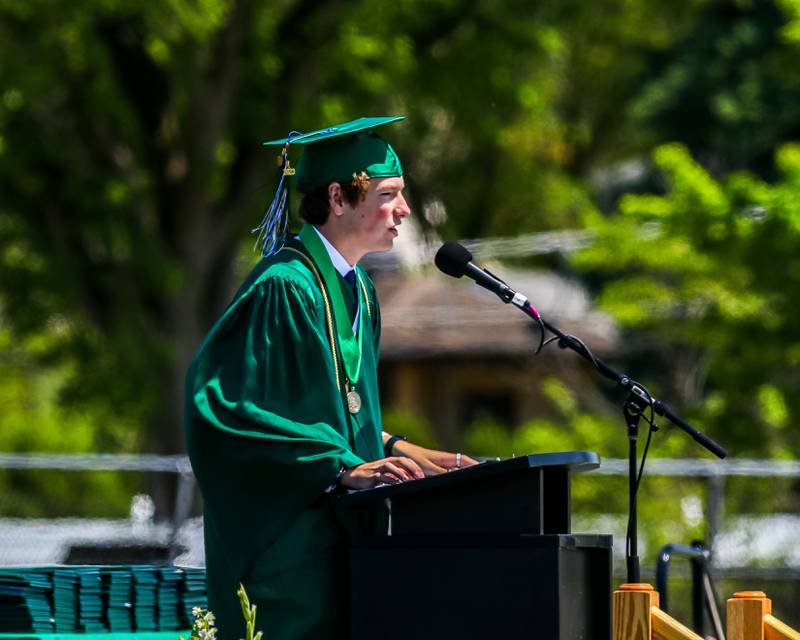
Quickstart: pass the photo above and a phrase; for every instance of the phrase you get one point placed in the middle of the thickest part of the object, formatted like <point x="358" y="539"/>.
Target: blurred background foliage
<point x="132" y="169"/>
<point x="131" y="172"/>
<point x="714" y="270"/>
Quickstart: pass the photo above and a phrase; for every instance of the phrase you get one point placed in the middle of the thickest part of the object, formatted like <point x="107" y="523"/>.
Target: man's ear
<point x="335" y="199"/>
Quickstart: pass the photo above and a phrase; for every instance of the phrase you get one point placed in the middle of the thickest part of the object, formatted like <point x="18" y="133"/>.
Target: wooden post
<point x="746" y="611"/>
<point x="632" y="604"/>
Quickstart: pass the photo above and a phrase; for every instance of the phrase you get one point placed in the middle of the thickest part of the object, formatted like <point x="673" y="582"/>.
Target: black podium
<point x="483" y="552"/>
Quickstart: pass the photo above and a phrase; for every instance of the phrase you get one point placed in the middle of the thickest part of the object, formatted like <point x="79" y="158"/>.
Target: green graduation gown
<point x="267" y="432"/>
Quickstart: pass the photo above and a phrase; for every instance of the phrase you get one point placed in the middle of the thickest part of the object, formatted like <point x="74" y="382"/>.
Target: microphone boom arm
<point x="638" y="399"/>
<point x="626" y="382"/>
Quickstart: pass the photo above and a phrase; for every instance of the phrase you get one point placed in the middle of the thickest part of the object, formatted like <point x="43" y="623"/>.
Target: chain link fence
<point x="99" y="509"/>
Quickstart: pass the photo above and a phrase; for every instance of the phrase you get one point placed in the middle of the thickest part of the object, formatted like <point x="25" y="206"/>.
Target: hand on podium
<point x="386" y="471"/>
<point x="431" y="461"/>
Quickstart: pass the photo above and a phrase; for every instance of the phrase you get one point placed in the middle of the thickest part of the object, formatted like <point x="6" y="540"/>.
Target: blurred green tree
<point x="712" y="269"/>
<point x="730" y="89"/>
<point x="132" y="170"/>
<point x="32" y="420"/>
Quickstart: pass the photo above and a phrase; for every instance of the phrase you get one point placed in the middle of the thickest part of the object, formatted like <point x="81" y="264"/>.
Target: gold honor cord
<point x="350" y="344"/>
<point x="364" y="291"/>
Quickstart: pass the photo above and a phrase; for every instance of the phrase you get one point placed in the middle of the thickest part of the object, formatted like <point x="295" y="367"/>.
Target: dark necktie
<point x="350" y="276"/>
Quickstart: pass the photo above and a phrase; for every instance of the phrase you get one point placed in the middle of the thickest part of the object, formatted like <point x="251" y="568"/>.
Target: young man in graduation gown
<point x="282" y="397"/>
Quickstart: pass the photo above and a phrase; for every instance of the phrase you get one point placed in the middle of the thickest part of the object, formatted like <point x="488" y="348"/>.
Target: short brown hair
<point x="314" y="207"/>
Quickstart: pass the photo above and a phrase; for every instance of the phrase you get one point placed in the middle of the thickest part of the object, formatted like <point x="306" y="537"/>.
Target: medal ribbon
<point x="349" y="344"/>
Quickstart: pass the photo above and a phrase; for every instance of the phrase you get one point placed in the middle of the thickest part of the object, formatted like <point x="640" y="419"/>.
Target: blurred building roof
<point x="426" y="314"/>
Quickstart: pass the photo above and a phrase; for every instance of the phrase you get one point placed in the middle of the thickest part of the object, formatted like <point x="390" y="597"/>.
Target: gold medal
<point x="353" y="401"/>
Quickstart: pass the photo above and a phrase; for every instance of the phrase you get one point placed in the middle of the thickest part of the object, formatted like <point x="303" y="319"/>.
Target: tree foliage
<point x="132" y="170"/>
<point x="33" y="420"/>
<point x="712" y="268"/>
<point x="729" y="89"/>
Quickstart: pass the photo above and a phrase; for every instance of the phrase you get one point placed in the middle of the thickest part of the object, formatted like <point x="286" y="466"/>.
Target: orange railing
<point x="636" y="616"/>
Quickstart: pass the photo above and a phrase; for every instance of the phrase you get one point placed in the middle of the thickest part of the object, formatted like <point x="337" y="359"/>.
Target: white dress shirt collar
<point x="339" y="263"/>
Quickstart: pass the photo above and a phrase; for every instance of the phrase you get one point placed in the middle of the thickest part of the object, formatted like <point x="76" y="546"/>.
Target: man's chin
<point x="383" y="248"/>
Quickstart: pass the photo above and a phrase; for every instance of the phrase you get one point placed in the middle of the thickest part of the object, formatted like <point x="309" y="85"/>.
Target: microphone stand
<point x="456" y="261"/>
<point x="637" y="401"/>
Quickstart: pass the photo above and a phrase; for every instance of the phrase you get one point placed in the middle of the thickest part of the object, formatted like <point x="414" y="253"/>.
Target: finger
<point x="389" y="478"/>
<point x="359" y="478"/>
<point x="433" y="469"/>
<point x="409" y="465"/>
<point x="466" y="461"/>
<point x="400" y="472"/>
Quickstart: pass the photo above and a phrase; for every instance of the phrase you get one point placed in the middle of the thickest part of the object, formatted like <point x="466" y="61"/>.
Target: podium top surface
<point x="572" y="461"/>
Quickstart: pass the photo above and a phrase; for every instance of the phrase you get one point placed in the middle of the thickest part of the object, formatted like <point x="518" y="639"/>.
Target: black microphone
<point x="455" y="260"/>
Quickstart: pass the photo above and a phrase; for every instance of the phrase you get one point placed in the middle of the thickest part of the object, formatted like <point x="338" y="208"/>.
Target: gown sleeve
<point x="266" y="431"/>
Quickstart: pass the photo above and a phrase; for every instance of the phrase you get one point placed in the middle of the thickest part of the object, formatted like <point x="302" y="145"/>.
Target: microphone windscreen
<point x="452" y="259"/>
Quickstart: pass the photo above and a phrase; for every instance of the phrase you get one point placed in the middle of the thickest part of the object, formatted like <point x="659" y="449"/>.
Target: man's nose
<point x="403" y="209"/>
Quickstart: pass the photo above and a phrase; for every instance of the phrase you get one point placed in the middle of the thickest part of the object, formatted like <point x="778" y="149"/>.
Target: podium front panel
<point x="511" y="503"/>
<point x="551" y="587"/>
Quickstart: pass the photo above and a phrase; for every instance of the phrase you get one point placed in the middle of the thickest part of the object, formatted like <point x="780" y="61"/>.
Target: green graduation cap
<point x="333" y="154"/>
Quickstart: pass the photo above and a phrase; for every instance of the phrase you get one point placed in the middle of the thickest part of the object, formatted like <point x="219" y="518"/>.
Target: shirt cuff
<point x="335" y="484"/>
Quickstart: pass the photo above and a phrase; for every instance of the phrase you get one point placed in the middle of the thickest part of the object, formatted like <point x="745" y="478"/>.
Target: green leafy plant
<point x="249" y="612"/>
<point x="204" y="621"/>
